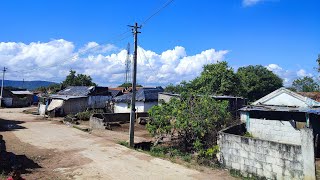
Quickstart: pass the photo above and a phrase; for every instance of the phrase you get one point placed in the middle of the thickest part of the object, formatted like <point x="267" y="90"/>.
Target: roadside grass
<point x="237" y="174"/>
<point x="176" y="156"/>
<point x="3" y="175"/>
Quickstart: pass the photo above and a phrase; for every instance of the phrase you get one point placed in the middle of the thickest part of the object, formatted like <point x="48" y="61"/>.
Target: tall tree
<point x="218" y="79"/>
<point x="77" y="80"/>
<point x="305" y="84"/>
<point x="257" y="81"/>
<point x="129" y="85"/>
<point x="318" y="61"/>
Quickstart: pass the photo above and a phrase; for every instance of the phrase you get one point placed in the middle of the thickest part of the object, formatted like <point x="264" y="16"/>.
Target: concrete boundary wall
<point x="264" y="158"/>
<point x="100" y="120"/>
<point x="274" y="130"/>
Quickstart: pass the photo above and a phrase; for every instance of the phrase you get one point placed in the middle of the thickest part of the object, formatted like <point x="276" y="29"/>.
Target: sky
<point x="43" y="40"/>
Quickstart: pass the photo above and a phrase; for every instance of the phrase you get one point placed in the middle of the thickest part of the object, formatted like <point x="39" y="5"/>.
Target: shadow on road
<point x="9" y="125"/>
<point x="10" y="160"/>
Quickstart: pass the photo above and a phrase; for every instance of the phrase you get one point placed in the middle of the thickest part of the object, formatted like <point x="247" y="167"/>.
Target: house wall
<point x="148" y="105"/>
<point x="120" y="107"/>
<point x="22" y="100"/>
<point x="7" y="102"/>
<point x="165" y="97"/>
<point x="268" y="159"/>
<point x="75" y="105"/>
<point x="98" y="101"/>
<point x="42" y="109"/>
<point x="274" y="130"/>
<point x="100" y="120"/>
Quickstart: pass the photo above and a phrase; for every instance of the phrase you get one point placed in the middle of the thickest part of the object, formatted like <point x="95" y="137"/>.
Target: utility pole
<point x="134" y="79"/>
<point x="3" y="72"/>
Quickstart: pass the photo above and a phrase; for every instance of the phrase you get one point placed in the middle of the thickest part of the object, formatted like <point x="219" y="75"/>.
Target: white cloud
<point x="250" y="2"/>
<point x="274" y="67"/>
<point x="303" y="73"/>
<point x="104" y="63"/>
<point x="288" y="76"/>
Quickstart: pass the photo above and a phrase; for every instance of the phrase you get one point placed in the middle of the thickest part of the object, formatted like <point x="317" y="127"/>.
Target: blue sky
<point x="281" y="33"/>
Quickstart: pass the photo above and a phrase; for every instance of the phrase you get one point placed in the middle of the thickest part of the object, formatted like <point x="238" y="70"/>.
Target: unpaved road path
<point x="55" y="151"/>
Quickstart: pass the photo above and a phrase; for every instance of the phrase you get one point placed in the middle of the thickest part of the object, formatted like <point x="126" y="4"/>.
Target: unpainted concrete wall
<point x="99" y="120"/>
<point x="98" y="101"/>
<point x="268" y="159"/>
<point x="274" y="130"/>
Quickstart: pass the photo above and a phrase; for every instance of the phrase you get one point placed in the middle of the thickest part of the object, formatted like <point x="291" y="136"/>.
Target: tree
<point x="179" y="88"/>
<point x="218" y="79"/>
<point x="257" y="81"/>
<point x="129" y="85"/>
<point x="193" y="120"/>
<point x="305" y="84"/>
<point x="77" y="80"/>
<point x="318" y="61"/>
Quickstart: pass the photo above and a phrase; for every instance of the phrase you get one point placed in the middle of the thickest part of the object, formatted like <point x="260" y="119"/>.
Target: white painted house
<point x="280" y="115"/>
<point x="145" y="99"/>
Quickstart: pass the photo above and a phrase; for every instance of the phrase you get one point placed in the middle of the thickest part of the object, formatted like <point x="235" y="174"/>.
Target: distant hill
<point x="30" y="85"/>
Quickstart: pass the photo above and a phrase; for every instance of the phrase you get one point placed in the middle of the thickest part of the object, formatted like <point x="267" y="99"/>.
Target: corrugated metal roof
<point x="76" y="91"/>
<point x="21" y="92"/>
<point x="65" y="97"/>
<point x="114" y="92"/>
<point x="282" y="109"/>
<point x="143" y="94"/>
<point x="313" y="95"/>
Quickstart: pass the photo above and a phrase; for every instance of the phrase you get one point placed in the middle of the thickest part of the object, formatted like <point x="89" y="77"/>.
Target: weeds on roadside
<point x="237" y="174"/>
<point x="123" y="143"/>
<point x="249" y="135"/>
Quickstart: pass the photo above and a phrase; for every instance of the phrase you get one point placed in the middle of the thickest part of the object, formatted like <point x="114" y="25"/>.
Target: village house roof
<point x="313" y="95"/>
<point x="285" y="97"/>
<point x="21" y="92"/>
<point x="143" y="94"/>
<point x="115" y="92"/>
<point x="76" y="90"/>
<point x="284" y="100"/>
<point x="81" y="92"/>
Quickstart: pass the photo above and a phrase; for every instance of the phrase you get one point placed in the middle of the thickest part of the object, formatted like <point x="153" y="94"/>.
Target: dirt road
<point x="55" y="151"/>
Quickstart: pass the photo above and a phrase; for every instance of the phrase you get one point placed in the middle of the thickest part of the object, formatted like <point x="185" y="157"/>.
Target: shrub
<point x="193" y="120"/>
<point x="85" y="115"/>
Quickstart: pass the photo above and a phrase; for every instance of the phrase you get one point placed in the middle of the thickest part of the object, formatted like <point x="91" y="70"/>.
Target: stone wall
<point x="265" y="158"/>
<point x="274" y="130"/>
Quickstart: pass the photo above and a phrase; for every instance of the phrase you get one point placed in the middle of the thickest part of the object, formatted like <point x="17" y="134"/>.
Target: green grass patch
<point x="123" y="143"/>
<point x="249" y="135"/>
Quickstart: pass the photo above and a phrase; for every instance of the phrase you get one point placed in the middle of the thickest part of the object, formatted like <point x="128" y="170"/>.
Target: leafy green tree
<point x="318" y="61"/>
<point x="179" y="88"/>
<point x="257" y="81"/>
<point x="128" y="85"/>
<point x="305" y="84"/>
<point x="193" y="120"/>
<point x="77" y="80"/>
<point x="218" y="79"/>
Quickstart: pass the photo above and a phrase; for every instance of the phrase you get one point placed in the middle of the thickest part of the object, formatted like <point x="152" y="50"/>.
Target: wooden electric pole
<point x="134" y="79"/>
<point x="3" y="72"/>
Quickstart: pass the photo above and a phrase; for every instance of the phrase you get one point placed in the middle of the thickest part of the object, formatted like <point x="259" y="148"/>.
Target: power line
<point x="157" y="12"/>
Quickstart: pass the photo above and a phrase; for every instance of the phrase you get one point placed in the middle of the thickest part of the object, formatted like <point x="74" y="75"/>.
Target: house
<point x="145" y="98"/>
<point x="76" y="99"/>
<point x="279" y="115"/>
<point x="234" y="103"/>
<point x="17" y="98"/>
<point x="278" y="139"/>
<point x="116" y="92"/>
